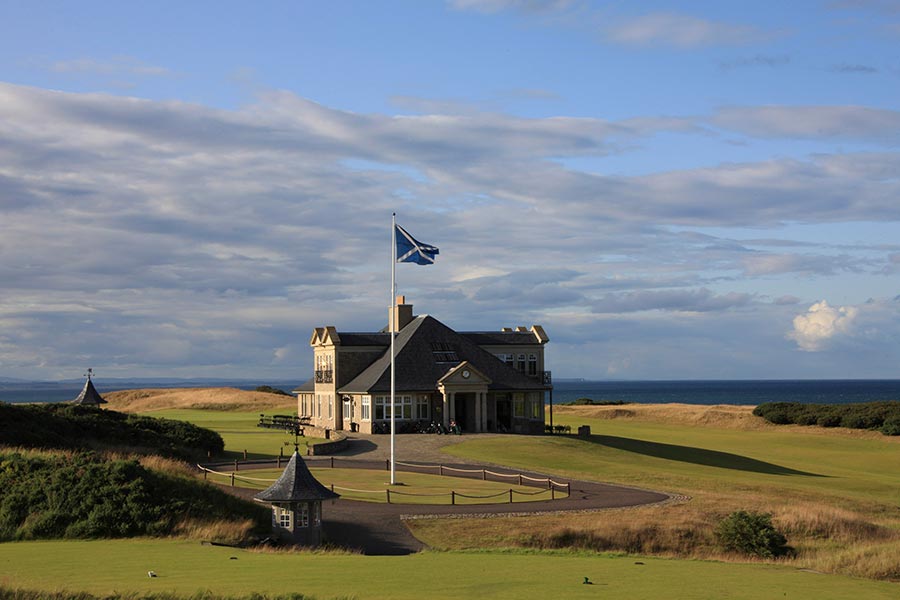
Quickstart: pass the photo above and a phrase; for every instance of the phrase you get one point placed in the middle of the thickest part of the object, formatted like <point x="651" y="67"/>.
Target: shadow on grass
<point x="696" y="456"/>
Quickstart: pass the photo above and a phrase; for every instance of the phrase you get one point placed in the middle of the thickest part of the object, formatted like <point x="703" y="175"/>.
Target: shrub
<point x="271" y="390"/>
<point x="751" y="533"/>
<point x="863" y="415"/>
<point x="891" y="426"/>
<point x="583" y="401"/>
<point x="85" y="495"/>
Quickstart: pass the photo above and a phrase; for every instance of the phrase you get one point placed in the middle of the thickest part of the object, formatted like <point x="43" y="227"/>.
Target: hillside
<point x="146" y="400"/>
<point x="723" y="416"/>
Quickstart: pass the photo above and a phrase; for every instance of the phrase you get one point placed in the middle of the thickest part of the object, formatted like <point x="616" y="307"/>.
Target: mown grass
<point x="836" y="497"/>
<point x="414" y="488"/>
<point x="239" y="431"/>
<point x="184" y="568"/>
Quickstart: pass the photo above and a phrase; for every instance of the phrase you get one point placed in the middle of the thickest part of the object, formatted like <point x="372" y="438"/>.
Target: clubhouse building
<point x="482" y="381"/>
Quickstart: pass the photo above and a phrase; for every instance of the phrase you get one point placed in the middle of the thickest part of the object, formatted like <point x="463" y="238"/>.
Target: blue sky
<point x="672" y="189"/>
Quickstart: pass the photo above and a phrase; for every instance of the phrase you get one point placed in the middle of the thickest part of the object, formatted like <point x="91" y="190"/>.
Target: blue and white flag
<point x="409" y="249"/>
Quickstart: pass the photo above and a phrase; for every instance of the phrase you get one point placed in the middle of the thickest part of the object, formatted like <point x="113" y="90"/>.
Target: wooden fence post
<point x="452" y="497"/>
<point x="235" y="464"/>
<point x="484" y="474"/>
<point x="232" y="480"/>
<point x="388" y="492"/>
<point x="510" y="495"/>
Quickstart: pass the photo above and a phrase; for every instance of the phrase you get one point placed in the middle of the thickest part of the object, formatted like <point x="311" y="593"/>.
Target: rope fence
<point x="522" y="480"/>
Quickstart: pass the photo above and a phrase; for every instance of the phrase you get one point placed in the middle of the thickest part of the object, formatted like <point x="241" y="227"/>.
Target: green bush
<point x="891" y="426"/>
<point x="751" y="533"/>
<point x="271" y="390"/>
<point x="864" y="415"/>
<point x="85" y="495"/>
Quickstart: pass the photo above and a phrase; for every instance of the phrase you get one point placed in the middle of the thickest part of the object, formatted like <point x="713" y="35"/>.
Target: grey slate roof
<point x="418" y="369"/>
<point x="296" y="484"/>
<point x="307" y="386"/>
<point x="499" y="338"/>
<point x="89" y="395"/>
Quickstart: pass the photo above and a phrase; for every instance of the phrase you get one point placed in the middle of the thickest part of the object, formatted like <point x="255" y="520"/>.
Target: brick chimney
<point x="401" y="314"/>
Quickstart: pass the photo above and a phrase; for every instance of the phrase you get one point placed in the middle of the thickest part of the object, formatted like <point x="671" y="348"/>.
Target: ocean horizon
<point x="707" y="392"/>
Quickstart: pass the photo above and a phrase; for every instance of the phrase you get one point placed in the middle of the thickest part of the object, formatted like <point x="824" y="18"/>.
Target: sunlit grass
<point x="239" y="430"/>
<point x="101" y="567"/>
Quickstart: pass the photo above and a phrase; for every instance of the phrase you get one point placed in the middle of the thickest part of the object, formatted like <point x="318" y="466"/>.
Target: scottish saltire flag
<point x="409" y="249"/>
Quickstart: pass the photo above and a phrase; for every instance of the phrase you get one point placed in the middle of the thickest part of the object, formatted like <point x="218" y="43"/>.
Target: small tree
<point x="751" y="533"/>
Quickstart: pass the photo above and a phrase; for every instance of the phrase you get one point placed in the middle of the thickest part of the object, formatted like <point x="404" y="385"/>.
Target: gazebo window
<point x="282" y="516"/>
<point x="303" y="515"/>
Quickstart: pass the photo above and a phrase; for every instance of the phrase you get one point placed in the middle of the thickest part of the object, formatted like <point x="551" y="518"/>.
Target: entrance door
<point x="504" y="416"/>
<point x="465" y="410"/>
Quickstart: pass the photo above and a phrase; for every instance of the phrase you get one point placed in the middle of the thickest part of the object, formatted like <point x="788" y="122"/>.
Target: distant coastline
<point x="738" y="392"/>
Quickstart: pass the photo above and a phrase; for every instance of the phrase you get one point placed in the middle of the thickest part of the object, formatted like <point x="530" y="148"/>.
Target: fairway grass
<point x="239" y="431"/>
<point x="105" y="566"/>
<point x="417" y="488"/>
<point x="835" y="496"/>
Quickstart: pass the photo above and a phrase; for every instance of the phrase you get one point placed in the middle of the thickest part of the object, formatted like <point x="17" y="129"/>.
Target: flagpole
<point x="393" y="327"/>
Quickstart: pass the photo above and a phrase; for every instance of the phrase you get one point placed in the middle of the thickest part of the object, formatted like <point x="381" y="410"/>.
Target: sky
<point x="673" y="190"/>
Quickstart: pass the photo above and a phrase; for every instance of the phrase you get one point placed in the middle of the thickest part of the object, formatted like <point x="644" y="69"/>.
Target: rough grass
<point x="146" y="400"/>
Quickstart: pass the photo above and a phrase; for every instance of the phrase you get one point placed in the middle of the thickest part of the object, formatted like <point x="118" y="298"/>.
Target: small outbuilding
<point x="89" y="395"/>
<point x="296" y="500"/>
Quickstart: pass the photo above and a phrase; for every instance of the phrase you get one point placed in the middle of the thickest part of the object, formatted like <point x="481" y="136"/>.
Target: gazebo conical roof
<point x="296" y="484"/>
<point x="89" y="395"/>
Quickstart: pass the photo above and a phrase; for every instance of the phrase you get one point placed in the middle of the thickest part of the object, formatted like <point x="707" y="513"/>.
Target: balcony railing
<point x="324" y="376"/>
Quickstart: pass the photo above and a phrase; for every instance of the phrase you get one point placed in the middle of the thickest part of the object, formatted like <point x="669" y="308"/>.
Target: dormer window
<point x="444" y="353"/>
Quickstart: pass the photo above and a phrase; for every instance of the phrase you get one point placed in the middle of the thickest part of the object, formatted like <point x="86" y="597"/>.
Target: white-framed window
<point x="402" y="407"/>
<point x="281" y="517"/>
<point x="317" y="515"/>
<point x="532" y="364"/>
<point x="365" y="412"/>
<point x="518" y="404"/>
<point x="423" y="407"/>
<point x="348" y="408"/>
<point x="303" y="515"/>
<point x="520" y="364"/>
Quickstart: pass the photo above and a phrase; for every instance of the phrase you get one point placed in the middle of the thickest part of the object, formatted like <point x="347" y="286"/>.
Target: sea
<point x="749" y="392"/>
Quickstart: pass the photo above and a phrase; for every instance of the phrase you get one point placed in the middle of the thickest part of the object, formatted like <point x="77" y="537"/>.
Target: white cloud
<point x="166" y="237"/>
<point x="840" y="122"/>
<point x="682" y="31"/>
<point x="814" y="330"/>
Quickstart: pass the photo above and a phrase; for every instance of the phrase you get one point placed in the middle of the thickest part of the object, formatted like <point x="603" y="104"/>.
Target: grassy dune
<point x="836" y="494"/>
<point x="146" y="400"/>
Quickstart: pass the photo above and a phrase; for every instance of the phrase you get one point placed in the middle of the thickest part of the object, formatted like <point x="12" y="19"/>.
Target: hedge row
<point x="881" y="416"/>
<point x="87" y="495"/>
<point x="70" y="426"/>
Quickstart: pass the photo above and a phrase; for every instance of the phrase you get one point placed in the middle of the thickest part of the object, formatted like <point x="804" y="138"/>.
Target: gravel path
<point x="378" y="528"/>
